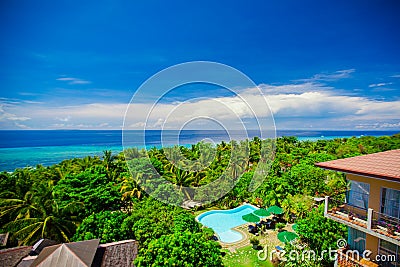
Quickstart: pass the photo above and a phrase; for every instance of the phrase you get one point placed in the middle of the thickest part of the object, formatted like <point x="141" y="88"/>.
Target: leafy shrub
<point x="105" y="225"/>
<point x="180" y="249"/>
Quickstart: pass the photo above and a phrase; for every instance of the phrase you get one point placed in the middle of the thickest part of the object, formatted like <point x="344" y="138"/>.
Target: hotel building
<point x="370" y="208"/>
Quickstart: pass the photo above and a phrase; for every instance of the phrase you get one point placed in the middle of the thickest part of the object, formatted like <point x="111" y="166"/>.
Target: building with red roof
<point x="371" y="208"/>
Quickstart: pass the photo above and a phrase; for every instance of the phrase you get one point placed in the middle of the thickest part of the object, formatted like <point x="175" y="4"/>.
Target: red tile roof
<point x="382" y="165"/>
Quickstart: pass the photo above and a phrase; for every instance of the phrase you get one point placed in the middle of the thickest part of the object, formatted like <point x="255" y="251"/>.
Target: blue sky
<point x="320" y="64"/>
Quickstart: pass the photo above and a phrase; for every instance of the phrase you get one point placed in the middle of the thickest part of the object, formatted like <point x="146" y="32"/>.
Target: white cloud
<point x="9" y="116"/>
<point x="378" y="84"/>
<point x="137" y="125"/>
<point x="379" y="125"/>
<point x="72" y="80"/>
<point x="332" y="76"/>
<point x="15" y="118"/>
<point x="322" y="109"/>
<point x="104" y="125"/>
<point x="290" y="88"/>
<point x="65" y="119"/>
<point x="320" y="106"/>
<point x="22" y="126"/>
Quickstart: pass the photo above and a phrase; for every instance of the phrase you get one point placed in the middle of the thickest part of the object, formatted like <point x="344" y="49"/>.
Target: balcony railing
<point x="347" y="212"/>
<point x="385" y="223"/>
<point x="375" y="223"/>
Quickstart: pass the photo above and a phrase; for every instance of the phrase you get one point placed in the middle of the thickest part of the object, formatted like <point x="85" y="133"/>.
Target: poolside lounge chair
<point x="253" y="229"/>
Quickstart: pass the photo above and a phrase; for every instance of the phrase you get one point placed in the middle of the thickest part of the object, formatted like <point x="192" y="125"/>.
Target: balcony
<point x="349" y="259"/>
<point x="368" y="221"/>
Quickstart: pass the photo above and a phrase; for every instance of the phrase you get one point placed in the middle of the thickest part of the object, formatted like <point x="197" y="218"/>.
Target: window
<point x="356" y="240"/>
<point x="358" y="195"/>
<point x="390" y="203"/>
<point x="389" y="254"/>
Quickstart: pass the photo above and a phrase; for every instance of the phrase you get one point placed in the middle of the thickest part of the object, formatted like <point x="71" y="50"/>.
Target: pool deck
<point x="245" y="241"/>
<point x="269" y="239"/>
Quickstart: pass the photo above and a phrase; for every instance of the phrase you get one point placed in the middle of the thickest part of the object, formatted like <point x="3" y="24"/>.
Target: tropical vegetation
<point x="106" y="197"/>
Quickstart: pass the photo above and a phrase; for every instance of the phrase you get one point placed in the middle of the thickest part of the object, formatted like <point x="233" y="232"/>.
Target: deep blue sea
<point x="19" y="148"/>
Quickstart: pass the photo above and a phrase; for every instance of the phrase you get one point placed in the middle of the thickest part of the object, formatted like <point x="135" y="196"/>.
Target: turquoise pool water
<point x="222" y="222"/>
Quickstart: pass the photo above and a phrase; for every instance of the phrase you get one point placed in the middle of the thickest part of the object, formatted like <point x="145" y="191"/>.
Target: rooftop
<point x="382" y="165"/>
<point x="78" y="254"/>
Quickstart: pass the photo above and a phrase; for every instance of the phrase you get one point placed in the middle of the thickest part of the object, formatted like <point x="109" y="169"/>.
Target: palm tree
<point x="47" y="221"/>
<point x="108" y="159"/>
<point x="130" y="187"/>
<point x="88" y="162"/>
<point x="239" y="160"/>
<point x="182" y="179"/>
<point x="132" y="153"/>
<point x="12" y="207"/>
<point x="23" y="181"/>
<point x="37" y="215"/>
<point x="174" y="157"/>
<point x="59" y="172"/>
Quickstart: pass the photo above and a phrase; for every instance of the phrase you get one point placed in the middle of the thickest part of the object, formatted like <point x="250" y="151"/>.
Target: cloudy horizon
<point x="306" y="104"/>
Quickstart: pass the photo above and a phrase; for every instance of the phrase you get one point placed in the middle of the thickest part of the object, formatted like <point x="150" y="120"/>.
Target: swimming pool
<point x="222" y="222"/>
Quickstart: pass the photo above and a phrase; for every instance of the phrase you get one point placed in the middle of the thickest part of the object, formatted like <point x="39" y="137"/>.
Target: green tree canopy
<point x="105" y="225"/>
<point x="319" y="232"/>
<point x="92" y="187"/>
<point x="180" y="249"/>
<point x="186" y="222"/>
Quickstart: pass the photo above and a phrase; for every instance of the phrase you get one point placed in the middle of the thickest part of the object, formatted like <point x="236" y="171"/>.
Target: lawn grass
<point x="245" y="257"/>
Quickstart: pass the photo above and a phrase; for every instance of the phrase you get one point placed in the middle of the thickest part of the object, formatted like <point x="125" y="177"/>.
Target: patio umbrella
<point x="275" y="210"/>
<point x="251" y="218"/>
<point x="287" y="236"/>
<point x="262" y="212"/>
<point x="294" y="227"/>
